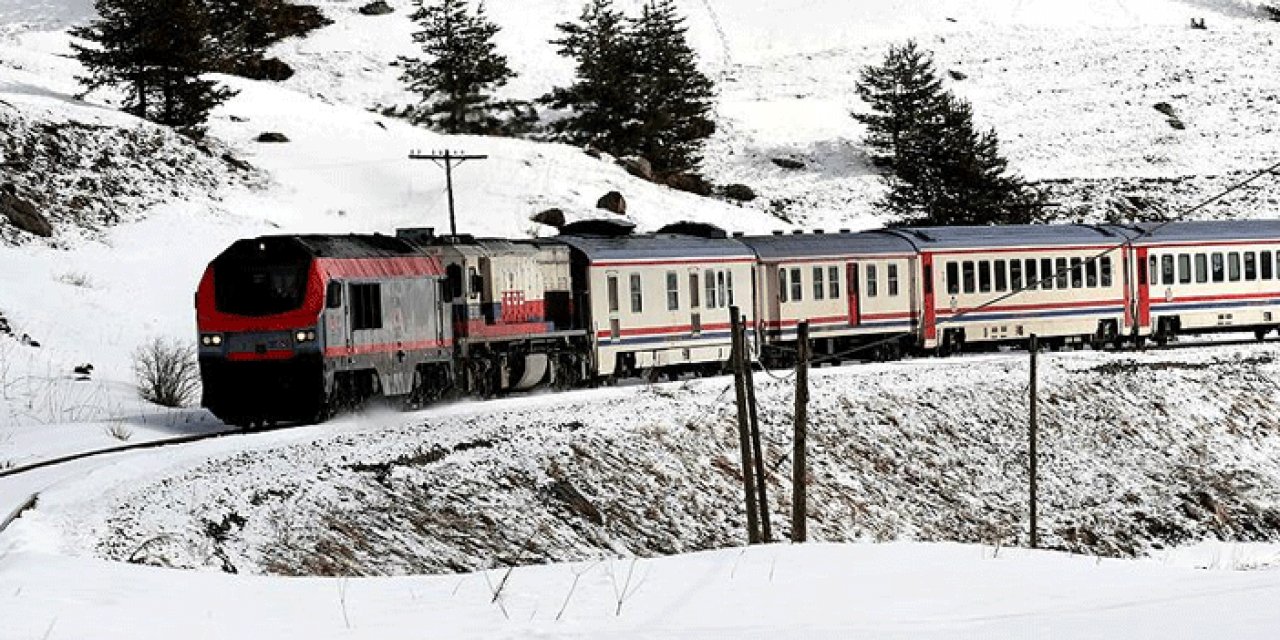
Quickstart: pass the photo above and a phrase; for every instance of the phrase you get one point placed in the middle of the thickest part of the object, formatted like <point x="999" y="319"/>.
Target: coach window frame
<point x="637" y="292"/>
<point x="1202" y="268"/>
<point x="1218" y="267"/>
<point x="1233" y="266"/>
<point x="819" y="283"/>
<point x="1184" y="268"/>
<point x="833" y="283"/>
<point x="673" y="291"/>
<point x="797" y="285"/>
<point x="1250" y="266"/>
<point x="953" y="277"/>
<point x="872" y="277"/>
<point x="1077" y="273"/>
<point x="1265" y="266"/>
<point x="1061" y="276"/>
<point x="1104" y="271"/>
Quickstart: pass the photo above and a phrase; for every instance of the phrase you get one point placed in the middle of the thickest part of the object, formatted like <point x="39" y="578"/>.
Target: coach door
<point x="615" y="325"/>
<point x="1144" y="288"/>
<point x="855" y="294"/>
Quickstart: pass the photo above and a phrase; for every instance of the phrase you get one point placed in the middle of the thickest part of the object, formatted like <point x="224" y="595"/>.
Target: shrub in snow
<point x="166" y="372"/>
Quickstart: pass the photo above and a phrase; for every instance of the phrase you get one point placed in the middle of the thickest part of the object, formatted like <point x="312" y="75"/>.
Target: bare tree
<point x="166" y="372"/>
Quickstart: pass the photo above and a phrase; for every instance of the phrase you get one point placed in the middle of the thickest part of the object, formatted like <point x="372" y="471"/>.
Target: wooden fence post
<point x="799" y="457"/>
<point x="744" y="431"/>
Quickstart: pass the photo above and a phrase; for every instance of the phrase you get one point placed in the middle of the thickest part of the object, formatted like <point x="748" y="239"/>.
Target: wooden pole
<point x="757" y="448"/>
<point x="744" y="431"/>
<point x="1034" y="347"/>
<point x="799" y="457"/>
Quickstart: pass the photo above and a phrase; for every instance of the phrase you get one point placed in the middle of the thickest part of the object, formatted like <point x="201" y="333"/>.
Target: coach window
<point x="1091" y="273"/>
<point x="1061" y="275"/>
<point x="673" y="291"/>
<point x="1033" y="277"/>
<point x="1153" y="269"/>
<point x="1077" y="273"/>
<point x="1250" y="265"/>
<point x="953" y="278"/>
<point x="797" y="287"/>
<point x="1264" y="261"/>
<point x="984" y="276"/>
<point x="871" y="280"/>
<point x="782" y="284"/>
<point x="721" y="295"/>
<point x="1046" y="272"/>
<point x="1166" y="269"/>
<point x="1002" y="277"/>
<point x="694" y="292"/>
<point x="613" y="294"/>
<point x="1219" y="274"/>
<point x="366" y="306"/>
<point x="637" y="295"/>
<point x="1202" y="267"/>
<point x="1015" y="275"/>
<point x="1233" y="266"/>
<point x="1184" y="268"/>
<point x="1105" y="265"/>
<point x="728" y="277"/>
<point x="711" y="288"/>
<point x="893" y="279"/>
<point x="970" y="283"/>
<point x="819" y="286"/>
<point x="833" y="283"/>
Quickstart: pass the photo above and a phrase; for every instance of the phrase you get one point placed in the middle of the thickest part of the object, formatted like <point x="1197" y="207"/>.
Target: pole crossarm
<point x="450" y="160"/>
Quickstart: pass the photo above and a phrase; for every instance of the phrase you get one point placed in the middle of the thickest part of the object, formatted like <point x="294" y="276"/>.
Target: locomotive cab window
<point x="366" y="306"/>
<point x="333" y="295"/>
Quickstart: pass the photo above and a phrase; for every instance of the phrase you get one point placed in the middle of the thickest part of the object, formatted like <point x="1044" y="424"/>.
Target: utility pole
<point x="757" y="448"/>
<point x="744" y="431"/>
<point x="449" y="159"/>
<point x="1034" y="347"/>
<point x="799" y="457"/>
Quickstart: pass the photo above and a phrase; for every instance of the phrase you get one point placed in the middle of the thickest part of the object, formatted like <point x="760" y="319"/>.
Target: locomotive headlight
<point x="210" y="340"/>
<point x="305" y="335"/>
<point x="301" y="336"/>
<point x="217" y="339"/>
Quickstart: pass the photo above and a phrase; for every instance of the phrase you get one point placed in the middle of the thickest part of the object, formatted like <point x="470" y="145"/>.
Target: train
<point x="294" y="328"/>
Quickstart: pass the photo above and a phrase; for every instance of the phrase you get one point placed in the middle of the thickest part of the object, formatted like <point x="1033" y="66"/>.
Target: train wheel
<point x="1261" y="334"/>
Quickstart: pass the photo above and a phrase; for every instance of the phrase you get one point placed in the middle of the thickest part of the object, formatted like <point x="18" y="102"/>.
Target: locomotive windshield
<point x="260" y="277"/>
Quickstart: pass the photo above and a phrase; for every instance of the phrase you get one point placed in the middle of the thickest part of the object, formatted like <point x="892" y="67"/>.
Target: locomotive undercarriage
<point x="492" y="368"/>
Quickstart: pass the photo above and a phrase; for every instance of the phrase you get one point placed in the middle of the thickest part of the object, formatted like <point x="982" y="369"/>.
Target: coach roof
<point x="1202" y="230"/>
<point x="655" y="246"/>
<point x="1021" y="235"/>
<point x="811" y="245"/>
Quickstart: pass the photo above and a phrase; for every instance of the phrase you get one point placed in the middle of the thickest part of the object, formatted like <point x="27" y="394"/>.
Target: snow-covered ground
<point x="1143" y="453"/>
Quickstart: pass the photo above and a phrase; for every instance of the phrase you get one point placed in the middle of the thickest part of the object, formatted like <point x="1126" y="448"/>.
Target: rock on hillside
<point x="84" y="176"/>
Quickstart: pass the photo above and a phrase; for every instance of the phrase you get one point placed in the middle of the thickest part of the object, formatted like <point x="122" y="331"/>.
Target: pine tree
<point x="673" y="97"/>
<point x="939" y="168"/>
<point x="600" y="101"/>
<point x="157" y="51"/>
<point x="462" y="69"/>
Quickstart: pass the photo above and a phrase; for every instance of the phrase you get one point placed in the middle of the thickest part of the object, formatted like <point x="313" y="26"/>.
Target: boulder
<point x="637" y="166"/>
<point x="788" y="163"/>
<point x="22" y="214"/>
<point x="613" y="202"/>
<point x="376" y="8"/>
<point x="957" y="75"/>
<point x="739" y="192"/>
<point x="272" y="136"/>
<point x="690" y="182"/>
<point x="550" y="217"/>
<point x="260" y="68"/>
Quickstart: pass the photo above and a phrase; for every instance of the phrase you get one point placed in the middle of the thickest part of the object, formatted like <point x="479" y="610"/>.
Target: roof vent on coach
<point x="819" y="231"/>
<point x="739" y="234"/>
<point x="778" y="232"/>
<point x="797" y="232"/>
<point x="844" y="231"/>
